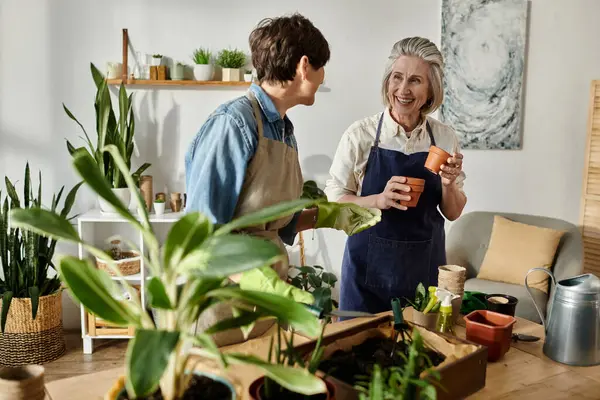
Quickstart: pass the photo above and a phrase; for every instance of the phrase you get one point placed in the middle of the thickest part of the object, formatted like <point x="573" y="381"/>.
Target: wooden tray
<point x="460" y="378"/>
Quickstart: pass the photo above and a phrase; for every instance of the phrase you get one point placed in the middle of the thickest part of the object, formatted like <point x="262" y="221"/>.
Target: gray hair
<point x="428" y="52"/>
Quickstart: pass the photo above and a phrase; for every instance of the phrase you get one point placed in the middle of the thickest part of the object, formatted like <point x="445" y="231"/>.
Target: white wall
<point x="46" y="47"/>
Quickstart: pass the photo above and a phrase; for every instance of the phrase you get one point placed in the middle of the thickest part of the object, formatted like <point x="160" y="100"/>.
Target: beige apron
<point x="273" y="176"/>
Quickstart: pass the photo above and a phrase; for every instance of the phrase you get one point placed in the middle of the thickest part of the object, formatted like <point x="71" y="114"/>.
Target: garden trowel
<point x="399" y="324"/>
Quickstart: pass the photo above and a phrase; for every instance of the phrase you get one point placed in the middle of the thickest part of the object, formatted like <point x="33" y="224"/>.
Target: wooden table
<point x="523" y="373"/>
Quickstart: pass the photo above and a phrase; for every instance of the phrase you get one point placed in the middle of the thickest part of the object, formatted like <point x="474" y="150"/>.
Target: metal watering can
<point x="573" y="324"/>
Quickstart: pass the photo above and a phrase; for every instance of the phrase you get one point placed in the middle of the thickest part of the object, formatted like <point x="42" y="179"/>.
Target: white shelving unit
<point x="94" y="221"/>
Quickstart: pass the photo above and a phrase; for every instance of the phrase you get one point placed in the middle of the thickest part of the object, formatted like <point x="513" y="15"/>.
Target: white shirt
<point x="350" y="161"/>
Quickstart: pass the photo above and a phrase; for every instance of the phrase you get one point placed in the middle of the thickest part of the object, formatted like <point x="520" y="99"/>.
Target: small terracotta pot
<point x="257" y="385"/>
<point x="416" y="188"/>
<point x="490" y="329"/>
<point x="436" y="158"/>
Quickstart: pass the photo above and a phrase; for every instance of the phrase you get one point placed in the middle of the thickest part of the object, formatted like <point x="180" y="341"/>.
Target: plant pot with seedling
<point x="156" y="59"/>
<point x="159" y="206"/>
<point x="203" y="69"/>
<point x="248" y="76"/>
<point x="230" y="62"/>
<point x="425" y="306"/>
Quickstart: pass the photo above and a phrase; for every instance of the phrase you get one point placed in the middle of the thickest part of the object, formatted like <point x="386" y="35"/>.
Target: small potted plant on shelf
<point x="231" y="61"/>
<point x="178" y="71"/>
<point x="202" y="256"/>
<point x="111" y="130"/>
<point x="248" y="75"/>
<point x="156" y="59"/>
<point x="203" y="69"/>
<point x="159" y="206"/>
<point x="31" y="317"/>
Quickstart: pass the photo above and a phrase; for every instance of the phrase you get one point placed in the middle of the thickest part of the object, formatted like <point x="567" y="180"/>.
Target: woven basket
<point x="29" y="341"/>
<point x="127" y="266"/>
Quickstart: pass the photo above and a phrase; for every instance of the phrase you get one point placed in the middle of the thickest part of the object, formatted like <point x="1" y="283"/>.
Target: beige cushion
<point x="515" y="248"/>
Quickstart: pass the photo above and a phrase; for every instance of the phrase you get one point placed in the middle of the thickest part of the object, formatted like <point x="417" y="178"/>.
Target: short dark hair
<point x="278" y="44"/>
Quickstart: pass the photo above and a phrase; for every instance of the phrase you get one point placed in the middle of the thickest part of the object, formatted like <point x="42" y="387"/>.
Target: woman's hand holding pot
<point x="395" y="191"/>
<point x="451" y="169"/>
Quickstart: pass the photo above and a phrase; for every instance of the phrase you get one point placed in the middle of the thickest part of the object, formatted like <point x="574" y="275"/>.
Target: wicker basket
<point x="29" y="341"/>
<point x="127" y="266"/>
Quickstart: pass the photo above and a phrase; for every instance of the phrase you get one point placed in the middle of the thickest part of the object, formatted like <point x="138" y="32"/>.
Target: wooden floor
<point x="108" y="354"/>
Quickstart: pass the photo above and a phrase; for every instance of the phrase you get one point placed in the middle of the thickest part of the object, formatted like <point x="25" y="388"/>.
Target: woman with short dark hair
<point x="244" y="158"/>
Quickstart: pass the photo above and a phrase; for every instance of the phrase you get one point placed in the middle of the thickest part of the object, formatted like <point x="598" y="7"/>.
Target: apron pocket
<point x="397" y="266"/>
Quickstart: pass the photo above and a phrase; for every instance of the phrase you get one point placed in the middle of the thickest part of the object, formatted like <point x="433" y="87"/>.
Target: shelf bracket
<point x="125" y="53"/>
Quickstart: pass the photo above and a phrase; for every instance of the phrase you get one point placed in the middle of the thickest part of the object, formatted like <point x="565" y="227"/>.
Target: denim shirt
<point x="216" y="161"/>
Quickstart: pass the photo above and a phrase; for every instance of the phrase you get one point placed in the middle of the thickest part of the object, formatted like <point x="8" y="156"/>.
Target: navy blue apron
<point x="405" y="248"/>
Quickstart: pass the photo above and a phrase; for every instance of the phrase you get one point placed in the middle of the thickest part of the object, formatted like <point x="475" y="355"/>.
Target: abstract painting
<point x="483" y="44"/>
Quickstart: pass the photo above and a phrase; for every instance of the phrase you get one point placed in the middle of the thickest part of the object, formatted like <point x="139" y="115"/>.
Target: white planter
<point x="114" y="70"/>
<point x="124" y="195"/>
<point x="159" y="208"/>
<point x="156" y="61"/>
<point x="248" y="77"/>
<point x="203" y="72"/>
<point x="231" y="74"/>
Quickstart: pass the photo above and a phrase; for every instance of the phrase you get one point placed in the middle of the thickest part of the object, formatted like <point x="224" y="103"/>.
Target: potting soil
<point x="201" y="387"/>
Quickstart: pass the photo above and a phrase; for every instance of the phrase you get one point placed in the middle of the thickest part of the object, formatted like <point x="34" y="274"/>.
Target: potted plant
<point x="178" y="71"/>
<point x="156" y="59"/>
<point x="159" y="206"/>
<point x="231" y="61"/>
<point x="317" y="282"/>
<point x="203" y="69"/>
<point x="248" y="75"/>
<point x="403" y="382"/>
<point x="111" y="130"/>
<point x="31" y="317"/>
<point x="426" y="306"/>
<point x="187" y="275"/>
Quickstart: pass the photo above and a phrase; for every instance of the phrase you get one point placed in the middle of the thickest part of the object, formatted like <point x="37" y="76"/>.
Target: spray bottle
<point x="445" y="320"/>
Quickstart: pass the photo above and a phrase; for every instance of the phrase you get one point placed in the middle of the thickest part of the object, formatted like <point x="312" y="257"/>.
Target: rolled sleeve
<point x="342" y="180"/>
<point x="216" y="166"/>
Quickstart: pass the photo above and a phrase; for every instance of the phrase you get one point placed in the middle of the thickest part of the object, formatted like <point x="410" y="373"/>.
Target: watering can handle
<point x="529" y="291"/>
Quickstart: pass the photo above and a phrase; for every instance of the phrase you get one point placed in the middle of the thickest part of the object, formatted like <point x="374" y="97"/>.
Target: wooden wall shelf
<point x="148" y="82"/>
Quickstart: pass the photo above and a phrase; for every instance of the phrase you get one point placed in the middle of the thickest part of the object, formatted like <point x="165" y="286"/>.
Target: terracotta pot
<point x="257" y="385"/>
<point x="490" y="329"/>
<point x="427" y="320"/>
<point x="22" y="383"/>
<point x="417" y="186"/>
<point x="436" y="158"/>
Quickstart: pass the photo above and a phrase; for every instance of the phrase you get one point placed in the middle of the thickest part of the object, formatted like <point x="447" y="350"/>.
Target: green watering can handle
<point x="398" y="317"/>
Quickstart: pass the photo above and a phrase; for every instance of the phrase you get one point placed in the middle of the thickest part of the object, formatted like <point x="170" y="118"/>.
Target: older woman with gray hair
<point x="372" y="166"/>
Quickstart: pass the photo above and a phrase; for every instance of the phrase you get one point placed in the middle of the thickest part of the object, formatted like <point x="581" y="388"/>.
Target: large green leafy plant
<point x="110" y="130"/>
<point x="196" y="253"/>
<point x="318" y="282"/>
<point x="26" y="257"/>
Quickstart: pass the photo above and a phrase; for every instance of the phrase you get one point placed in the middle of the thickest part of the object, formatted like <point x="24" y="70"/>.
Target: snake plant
<point x="27" y="256"/>
<point x="110" y="131"/>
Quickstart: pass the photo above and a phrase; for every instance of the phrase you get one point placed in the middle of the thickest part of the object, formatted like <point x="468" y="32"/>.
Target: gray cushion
<point x="525" y="308"/>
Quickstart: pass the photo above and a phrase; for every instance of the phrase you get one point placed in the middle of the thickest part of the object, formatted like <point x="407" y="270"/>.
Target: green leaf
<point x="158" y="295"/>
<point x="6" y="299"/>
<point x="147" y="358"/>
<point x="283" y="309"/>
<point x="70" y="200"/>
<point x="314" y="281"/>
<point x="96" y="291"/>
<point x="87" y="138"/>
<point x="44" y="223"/>
<point x="186" y="235"/>
<point x="266" y="214"/>
<point x="294" y="379"/>
<point x="323" y="299"/>
<point x="12" y="193"/>
<point x="244" y="318"/>
<point x="34" y="294"/>
<point x="221" y="256"/>
<point x="306" y="270"/>
<point x="266" y="280"/>
<point x="329" y="278"/>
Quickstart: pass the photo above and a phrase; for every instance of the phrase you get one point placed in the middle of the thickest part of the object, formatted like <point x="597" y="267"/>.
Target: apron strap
<point x="431" y="138"/>
<point x="378" y="131"/>
<point x="257" y="114"/>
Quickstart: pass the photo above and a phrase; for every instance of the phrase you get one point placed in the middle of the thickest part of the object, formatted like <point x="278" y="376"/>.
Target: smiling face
<point x="408" y="87"/>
